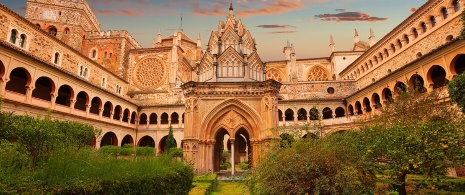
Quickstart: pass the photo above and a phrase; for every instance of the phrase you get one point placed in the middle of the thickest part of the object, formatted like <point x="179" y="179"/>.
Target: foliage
<point x="328" y="165"/>
<point x="110" y="150"/>
<point x="243" y="165"/>
<point x="176" y="152"/>
<point x="170" y="143"/>
<point x="145" y="151"/>
<point x="204" y="184"/>
<point x="225" y="154"/>
<point x="41" y="136"/>
<point x="410" y="137"/>
<point x="456" y="89"/>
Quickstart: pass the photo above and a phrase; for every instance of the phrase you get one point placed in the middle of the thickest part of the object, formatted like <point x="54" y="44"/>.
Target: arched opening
<point x="94" y="53"/>
<point x="133" y="117"/>
<point x="107" y="109"/>
<point x="381" y="56"/>
<point x="65" y="93"/>
<point x="407" y="40"/>
<point x="82" y="100"/>
<point x="242" y="148"/>
<point x="174" y="118"/>
<point x="222" y="147"/>
<point x="399" y="88"/>
<point x="393" y="48"/>
<point x="377" y="100"/>
<point x="52" y="30"/>
<point x="56" y="58"/>
<point x="280" y="115"/>
<point x="302" y="115"/>
<point x="109" y="139"/>
<point x="419" y="54"/>
<point x="14" y="34"/>
<point x="351" y="109"/>
<point x="399" y="43"/>
<point x="309" y="135"/>
<point x="143" y="119"/>
<point x="387" y="95"/>
<point x="22" y="40"/>
<point x="444" y="13"/>
<point x="358" y="107"/>
<point x="366" y="104"/>
<point x="153" y="118"/>
<point x="117" y="112"/>
<point x="437" y="76"/>
<point x="327" y="113"/>
<point x="432" y="20"/>
<point x="417" y="83"/>
<point x="340" y="112"/>
<point x="415" y="33"/>
<point x="456" y="5"/>
<point x="164" y="118"/>
<point x="449" y="38"/>
<point x="127" y="140"/>
<point x="386" y="53"/>
<point x="314" y="115"/>
<point x="66" y="31"/>
<point x="423" y="27"/>
<point x="2" y="69"/>
<point x="95" y="105"/>
<point x="147" y="141"/>
<point x="458" y="64"/>
<point x="289" y="115"/>
<point x="44" y="87"/>
<point x="19" y="81"/>
<point x="126" y="115"/>
<point x="162" y="147"/>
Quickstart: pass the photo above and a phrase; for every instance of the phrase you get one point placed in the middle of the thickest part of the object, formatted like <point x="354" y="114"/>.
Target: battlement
<point x="73" y="4"/>
<point x="113" y="34"/>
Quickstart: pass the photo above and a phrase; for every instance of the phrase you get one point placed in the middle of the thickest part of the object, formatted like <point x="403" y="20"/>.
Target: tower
<point x="68" y="20"/>
<point x="356" y="37"/>
<point x="371" y="39"/>
<point x="331" y="44"/>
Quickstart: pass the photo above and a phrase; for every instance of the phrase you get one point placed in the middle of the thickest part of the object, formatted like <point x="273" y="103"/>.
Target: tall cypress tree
<point x="170" y="143"/>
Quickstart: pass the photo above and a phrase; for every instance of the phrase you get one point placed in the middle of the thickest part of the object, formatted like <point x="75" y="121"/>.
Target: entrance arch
<point x="162" y="144"/>
<point x="109" y="139"/>
<point x="127" y="140"/>
<point x="146" y="141"/>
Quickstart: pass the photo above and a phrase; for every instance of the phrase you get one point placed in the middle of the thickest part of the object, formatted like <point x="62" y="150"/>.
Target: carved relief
<point x="232" y="119"/>
<point x="150" y="72"/>
<point x="273" y="74"/>
<point x="318" y="73"/>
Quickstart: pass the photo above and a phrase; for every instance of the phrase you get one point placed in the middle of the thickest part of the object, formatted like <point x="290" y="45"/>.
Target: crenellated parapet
<point x="113" y="34"/>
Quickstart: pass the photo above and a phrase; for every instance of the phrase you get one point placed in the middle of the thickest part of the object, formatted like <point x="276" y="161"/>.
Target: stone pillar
<point x="53" y="98"/>
<point x="100" y="113"/>
<point x="233" y="166"/>
<point x="159" y="121"/>
<point x="28" y="98"/>
<point x="88" y="109"/>
<point x="71" y="105"/>
<point x="2" y="86"/>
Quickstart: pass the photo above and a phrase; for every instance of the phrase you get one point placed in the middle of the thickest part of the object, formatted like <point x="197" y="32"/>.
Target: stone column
<point x="2" y="86"/>
<point x="28" y="98"/>
<point x="53" y="98"/>
<point x="159" y="121"/>
<point x="233" y="166"/>
<point x="100" y="113"/>
<point x="88" y="109"/>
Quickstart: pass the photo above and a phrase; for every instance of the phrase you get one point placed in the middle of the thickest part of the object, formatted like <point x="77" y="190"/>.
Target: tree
<point x="329" y="165"/>
<point x="170" y="143"/>
<point x="456" y="89"/>
<point x="416" y="133"/>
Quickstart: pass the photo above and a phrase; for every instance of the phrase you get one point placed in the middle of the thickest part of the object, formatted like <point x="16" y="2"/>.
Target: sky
<point x="307" y="24"/>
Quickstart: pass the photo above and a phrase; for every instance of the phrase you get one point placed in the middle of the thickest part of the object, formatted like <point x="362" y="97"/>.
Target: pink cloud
<point x="349" y="17"/>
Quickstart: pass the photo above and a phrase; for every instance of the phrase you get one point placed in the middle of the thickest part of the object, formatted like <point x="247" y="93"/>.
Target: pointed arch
<point x="210" y="120"/>
<point x="318" y="73"/>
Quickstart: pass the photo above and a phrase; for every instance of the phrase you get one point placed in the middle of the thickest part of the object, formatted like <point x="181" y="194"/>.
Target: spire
<point x="153" y="43"/>
<point x="356" y="38"/>
<point x="331" y="44"/>
<point x="159" y="37"/>
<point x="372" y="39"/>
<point x="231" y="9"/>
<point x="199" y="41"/>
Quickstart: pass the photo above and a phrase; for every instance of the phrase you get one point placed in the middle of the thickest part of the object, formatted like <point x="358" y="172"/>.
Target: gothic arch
<point x="212" y="121"/>
<point x="318" y="73"/>
<point x="275" y="74"/>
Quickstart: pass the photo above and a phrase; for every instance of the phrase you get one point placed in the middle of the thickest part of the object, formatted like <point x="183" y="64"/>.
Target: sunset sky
<point x="305" y="23"/>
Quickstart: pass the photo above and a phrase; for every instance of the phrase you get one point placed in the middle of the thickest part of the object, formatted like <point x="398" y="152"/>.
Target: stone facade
<point x="59" y="58"/>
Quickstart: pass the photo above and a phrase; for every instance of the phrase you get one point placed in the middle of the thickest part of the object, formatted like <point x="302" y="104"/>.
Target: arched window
<point x="456" y="5"/>
<point x="57" y="56"/>
<point x="444" y="13"/>
<point x="407" y="40"/>
<point x="386" y="53"/>
<point x="423" y="27"/>
<point x="105" y="56"/>
<point x="66" y="31"/>
<point x="53" y="31"/>
<point x="22" y="40"/>
<point x="94" y="53"/>
<point x="432" y="19"/>
<point x="415" y="33"/>
<point x="14" y="33"/>
<point x="38" y="25"/>
<point x="393" y="48"/>
<point x="399" y="43"/>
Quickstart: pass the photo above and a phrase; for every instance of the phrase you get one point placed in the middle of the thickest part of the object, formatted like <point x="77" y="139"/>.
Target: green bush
<point x="176" y="152"/>
<point x="145" y="151"/>
<point x="110" y="150"/>
<point x="204" y="184"/>
<point x="243" y="165"/>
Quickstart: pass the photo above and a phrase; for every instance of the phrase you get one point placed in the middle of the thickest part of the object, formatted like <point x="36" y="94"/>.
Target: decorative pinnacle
<point x="231" y="7"/>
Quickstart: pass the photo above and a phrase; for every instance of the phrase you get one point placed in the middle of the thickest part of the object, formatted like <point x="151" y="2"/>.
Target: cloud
<point x="124" y="12"/>
<point x="342" y="10"/>
<point x="349" y="17"/>
<point x="413" y="9"/>
<point x="258" y="8"/>
<point x="275" y="26"/>
<point x="282" y="32"/>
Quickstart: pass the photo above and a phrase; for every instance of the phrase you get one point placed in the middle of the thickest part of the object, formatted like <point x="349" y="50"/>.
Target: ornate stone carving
<point x="272" y="74"/>
<point x="318" y="73"/>
<point x="232" y="119"/>
<point x="150" y="72"/>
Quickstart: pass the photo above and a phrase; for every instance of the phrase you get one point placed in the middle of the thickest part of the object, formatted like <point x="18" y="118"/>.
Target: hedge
<point x="204" y="184"/>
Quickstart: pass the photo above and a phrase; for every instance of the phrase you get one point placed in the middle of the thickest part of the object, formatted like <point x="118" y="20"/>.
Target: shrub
<point x="145" y="151"/>
<point x="176" y="152"/>
<point x="243" y="165"/>
<point x="110" y="150"/>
